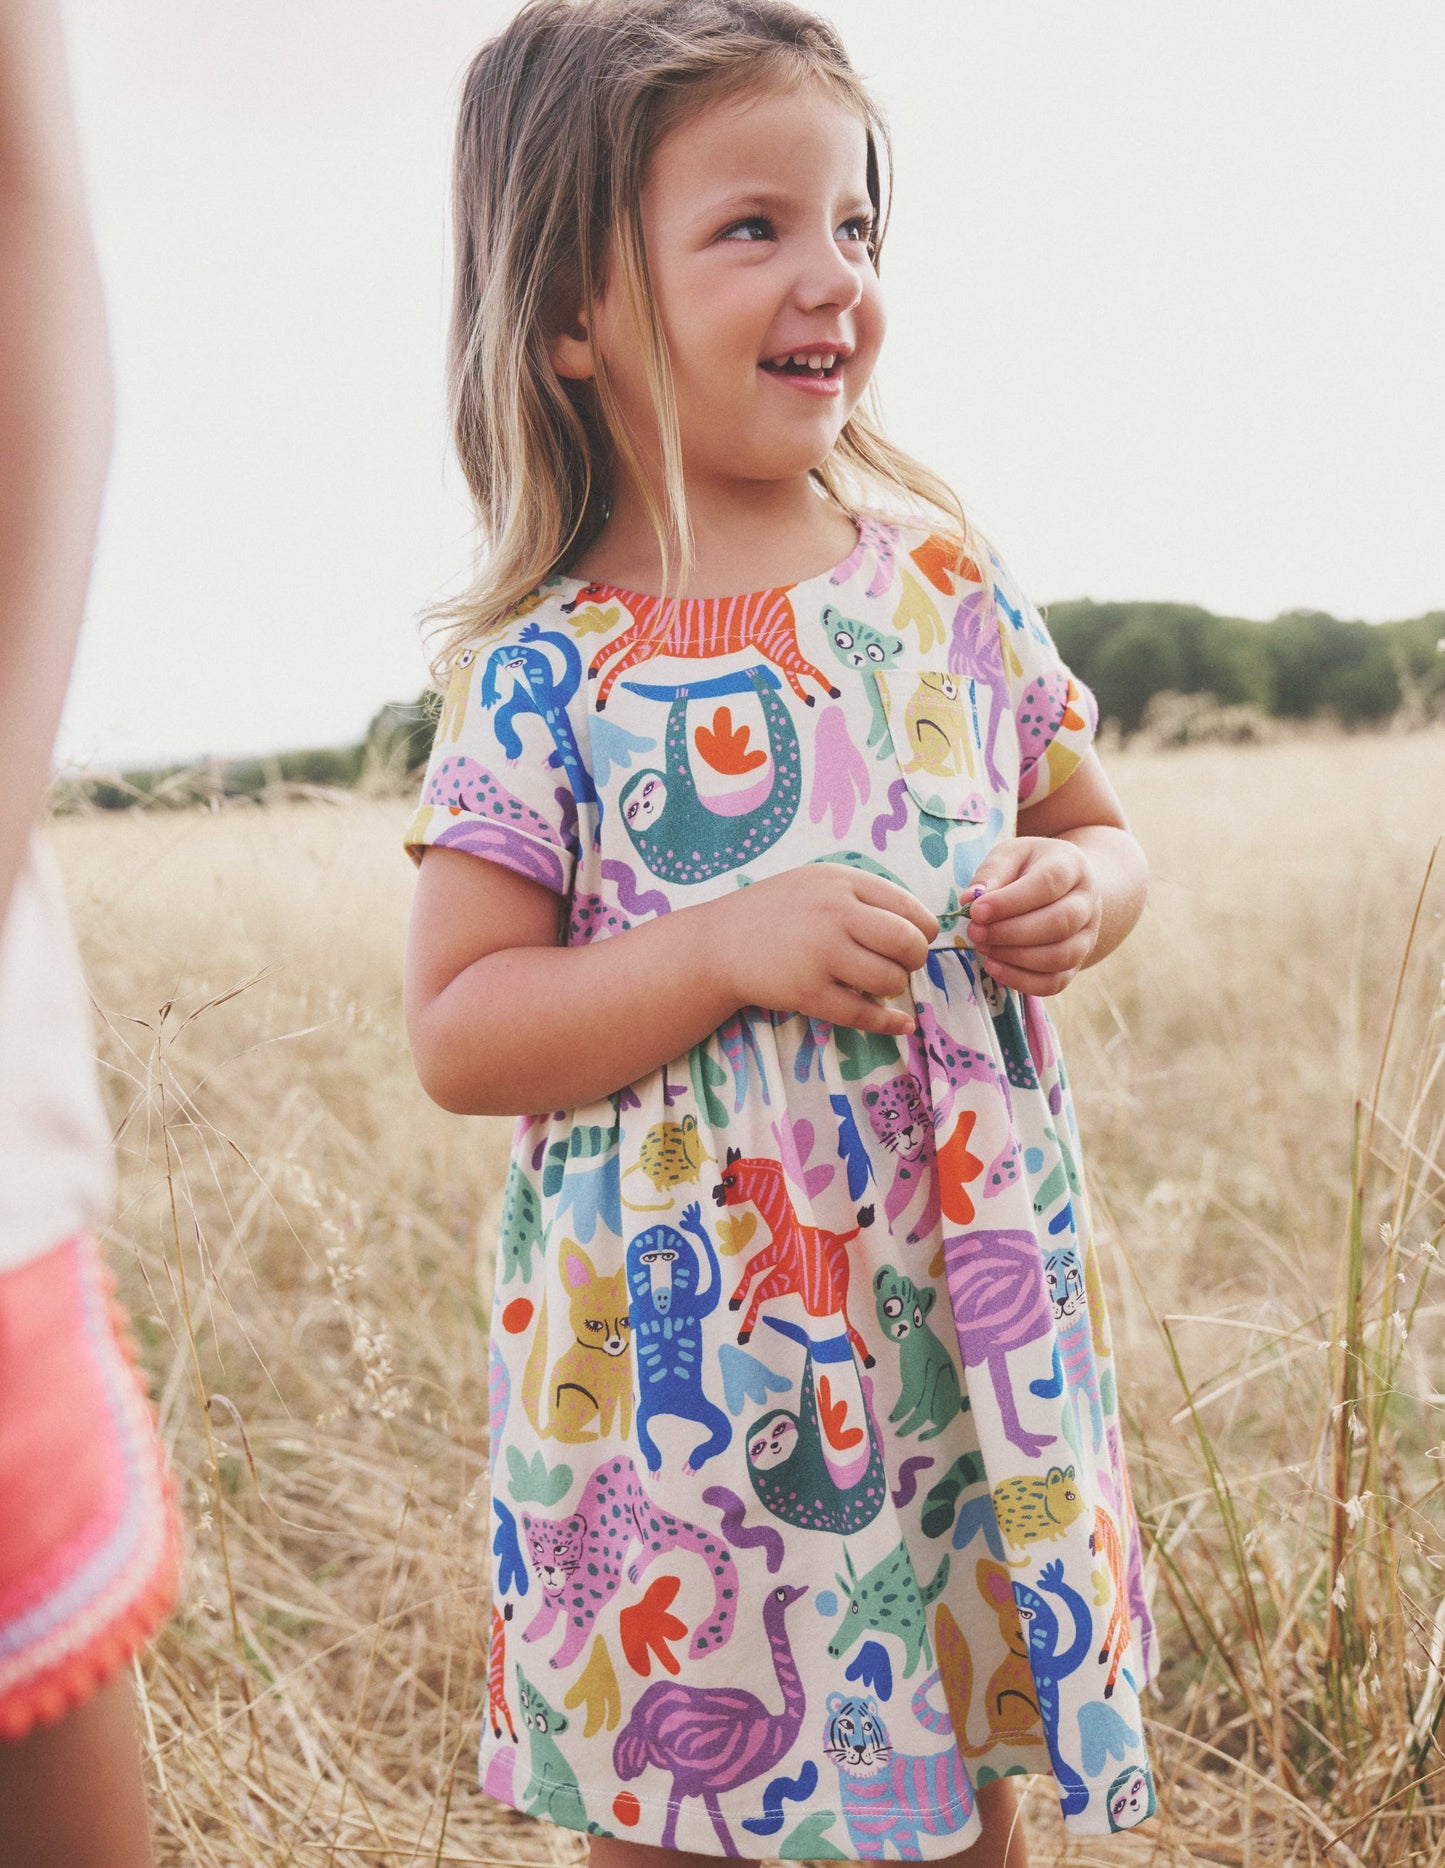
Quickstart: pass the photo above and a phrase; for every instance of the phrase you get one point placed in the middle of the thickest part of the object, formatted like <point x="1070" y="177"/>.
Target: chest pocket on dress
<point x="934" y="725"/>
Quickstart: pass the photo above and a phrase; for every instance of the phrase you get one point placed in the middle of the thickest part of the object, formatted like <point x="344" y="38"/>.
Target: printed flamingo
<point x="714" y="1738"/>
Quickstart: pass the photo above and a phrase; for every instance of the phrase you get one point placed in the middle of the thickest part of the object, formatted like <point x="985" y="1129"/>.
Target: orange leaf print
<point x="956" y="1167"/>
<point x="647" y="1627"/>
<point x="725" y="746"/>
<point x="938" y="558"/>
<point x="834" y="1413"/>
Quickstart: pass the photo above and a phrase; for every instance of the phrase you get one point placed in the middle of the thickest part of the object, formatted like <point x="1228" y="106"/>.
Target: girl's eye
<point x="859" y="228"/>
<point x="755" y="227"/>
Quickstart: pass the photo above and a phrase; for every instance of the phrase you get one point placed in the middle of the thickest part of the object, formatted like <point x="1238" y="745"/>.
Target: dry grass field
<point x="296" y="1239"/>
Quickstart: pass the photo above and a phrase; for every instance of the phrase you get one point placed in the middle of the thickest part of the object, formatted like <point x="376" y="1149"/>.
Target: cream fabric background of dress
<point x="933" y="1536"/>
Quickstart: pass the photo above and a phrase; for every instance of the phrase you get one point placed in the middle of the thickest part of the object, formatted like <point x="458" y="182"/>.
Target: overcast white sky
<point x="1165" y="286"/>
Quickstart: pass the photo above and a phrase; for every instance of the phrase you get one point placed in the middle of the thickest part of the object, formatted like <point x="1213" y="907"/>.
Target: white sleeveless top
<point x="56" y="1171"/>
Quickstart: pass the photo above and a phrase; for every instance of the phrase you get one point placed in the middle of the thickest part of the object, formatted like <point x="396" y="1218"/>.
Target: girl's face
<point x="757" y="225"/>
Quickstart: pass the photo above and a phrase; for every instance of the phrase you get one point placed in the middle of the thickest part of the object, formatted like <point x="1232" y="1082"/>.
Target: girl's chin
<point x="770" y="466"/>
<point x="774" y="445"/>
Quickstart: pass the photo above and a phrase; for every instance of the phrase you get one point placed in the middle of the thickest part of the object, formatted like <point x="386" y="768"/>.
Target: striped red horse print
<point x="700" y="628"/>
<point x="800" y="1260"/>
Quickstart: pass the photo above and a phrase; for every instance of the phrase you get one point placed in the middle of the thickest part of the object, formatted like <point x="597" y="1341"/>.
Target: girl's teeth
<point x="817" y="362"/>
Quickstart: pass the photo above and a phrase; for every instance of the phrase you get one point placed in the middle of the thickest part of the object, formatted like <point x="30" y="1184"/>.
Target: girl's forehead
<point x="760" y="132"/>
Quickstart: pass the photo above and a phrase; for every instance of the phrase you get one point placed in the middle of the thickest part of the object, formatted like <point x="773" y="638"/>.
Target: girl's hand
<point x="826" y="940"/>
<point x="1038" y="919"/>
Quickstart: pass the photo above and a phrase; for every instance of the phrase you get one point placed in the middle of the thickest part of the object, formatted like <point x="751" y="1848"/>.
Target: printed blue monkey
<point x="667" y="1311"/>
<point x="537" y="690"/>
<point x="1050" y="1667"/>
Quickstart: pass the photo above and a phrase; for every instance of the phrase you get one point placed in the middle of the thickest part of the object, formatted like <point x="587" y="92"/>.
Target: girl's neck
<point x="753" y="536"/>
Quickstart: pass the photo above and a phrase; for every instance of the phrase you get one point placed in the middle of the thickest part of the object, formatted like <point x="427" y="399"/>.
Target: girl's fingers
<point x="1060" y="920"/>
<point x="1036" y="888"/>
<point x="1065" y="956"/>
<point x="881" y="931"/>
<point x="1022" y="979"/>
<point x="866" y="971"/>
<point x="1004" y="863"/>
<point x="841" y="1005"/>
<point x="879" y="892"/>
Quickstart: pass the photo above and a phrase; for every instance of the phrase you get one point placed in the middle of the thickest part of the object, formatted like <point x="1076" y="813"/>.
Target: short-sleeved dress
<point x="810" y="1509"/>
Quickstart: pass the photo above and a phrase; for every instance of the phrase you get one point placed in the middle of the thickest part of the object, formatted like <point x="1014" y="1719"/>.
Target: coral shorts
<point x="88" y="1538"/>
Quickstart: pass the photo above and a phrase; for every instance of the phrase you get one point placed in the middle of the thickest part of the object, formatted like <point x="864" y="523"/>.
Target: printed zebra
<point x="698" y="627"/>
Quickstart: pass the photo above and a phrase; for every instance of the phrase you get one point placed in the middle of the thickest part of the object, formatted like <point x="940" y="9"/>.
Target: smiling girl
<point x="758" y="827"/>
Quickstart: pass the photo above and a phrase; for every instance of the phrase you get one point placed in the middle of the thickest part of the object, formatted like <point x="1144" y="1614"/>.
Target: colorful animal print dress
<point x="809" y="1505"/>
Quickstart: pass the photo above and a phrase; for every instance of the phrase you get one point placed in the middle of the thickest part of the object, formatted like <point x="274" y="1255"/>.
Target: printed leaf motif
<point x="850" y="1147"/>
<point x="740" y="1047"/>
<point x="862" y="1052"/>
<point x="593" y="620"/>
<point x="807" y="1843"/>
<point x="531" y="1482"/>
<point x="957" y="1166"/>
<point x="708" y="1077"/>
<point x="917" y="609"/>
<point x="1104" y="1734"/>
<point x="976" y="1518"/>
<point x="840" y="775"/>
<point x="596" y="1688"/>
<point x="746" y="1379"/>
<point x="507" y="1549"/>
<point x="613" y="745"/>
<point x="937" y="558"/>
<point x="735" y="1233"/>
<point x="833" y="1414"/>
<point x="795" y="1138"/>
<point x="810" y="1049"/>
<point x="873" y="1668"/>
<point x="725" y="747"/>
<point x="647" y="1627"/>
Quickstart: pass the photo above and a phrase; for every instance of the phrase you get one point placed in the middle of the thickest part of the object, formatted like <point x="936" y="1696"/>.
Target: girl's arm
<point x="1065" y="891"/>
<point x="54" y="411"/>
<point x="503" y="1021"/>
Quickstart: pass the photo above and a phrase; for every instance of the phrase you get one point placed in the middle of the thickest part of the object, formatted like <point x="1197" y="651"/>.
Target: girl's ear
<point x="571" y="352"/>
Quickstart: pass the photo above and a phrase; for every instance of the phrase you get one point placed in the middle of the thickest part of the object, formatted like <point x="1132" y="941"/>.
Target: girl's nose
<point x="828" y="279"/>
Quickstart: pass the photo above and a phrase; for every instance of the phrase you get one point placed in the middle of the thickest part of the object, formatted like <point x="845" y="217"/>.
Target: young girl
<point x="757" y="829"/>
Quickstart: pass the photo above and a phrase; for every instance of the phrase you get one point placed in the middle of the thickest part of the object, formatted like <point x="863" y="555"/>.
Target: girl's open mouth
<point x="819" y="371"/>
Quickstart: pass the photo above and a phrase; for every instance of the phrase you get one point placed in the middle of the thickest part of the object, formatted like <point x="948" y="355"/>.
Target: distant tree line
<point x="1305" y="665"/>
<point x="395" y="745"/>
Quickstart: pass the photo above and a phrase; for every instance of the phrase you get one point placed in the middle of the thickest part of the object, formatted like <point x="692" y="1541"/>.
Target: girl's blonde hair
<point x="560" y="114"/>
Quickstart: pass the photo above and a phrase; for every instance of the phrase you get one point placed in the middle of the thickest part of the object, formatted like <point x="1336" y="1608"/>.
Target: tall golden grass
<point x="296" y="1239"/>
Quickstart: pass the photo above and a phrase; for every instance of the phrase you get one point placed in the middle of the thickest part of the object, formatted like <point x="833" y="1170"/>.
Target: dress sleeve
<point x="1055" y="714"/>
<point x="502" y="778"/>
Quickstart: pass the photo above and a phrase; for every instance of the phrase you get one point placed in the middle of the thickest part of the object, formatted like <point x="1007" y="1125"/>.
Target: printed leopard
<point x="901" y="1122"/>
<point x="579" y="1559"/>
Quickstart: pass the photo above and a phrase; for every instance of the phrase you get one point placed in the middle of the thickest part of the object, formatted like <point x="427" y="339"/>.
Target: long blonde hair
<point x="560" y="114"/>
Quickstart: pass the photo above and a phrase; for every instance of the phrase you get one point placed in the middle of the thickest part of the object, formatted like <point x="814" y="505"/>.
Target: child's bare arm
<point x="503" y="1021"/>
<point x="54" y="411"/>
<point x="1065" y="891"/>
